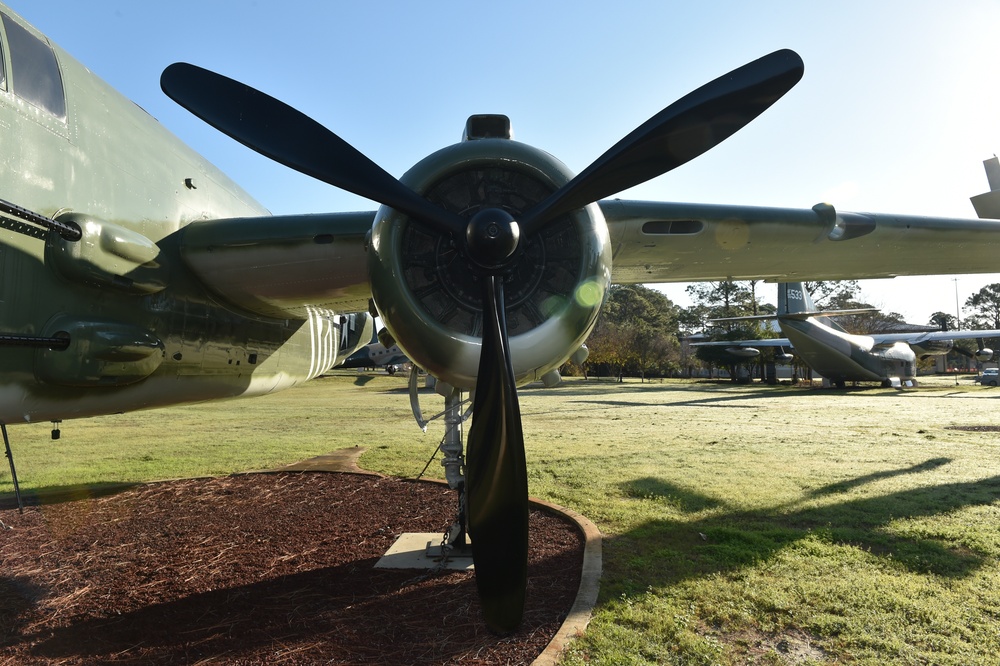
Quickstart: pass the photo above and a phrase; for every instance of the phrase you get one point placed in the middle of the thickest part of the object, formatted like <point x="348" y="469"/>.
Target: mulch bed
<point x="260" y="568"/>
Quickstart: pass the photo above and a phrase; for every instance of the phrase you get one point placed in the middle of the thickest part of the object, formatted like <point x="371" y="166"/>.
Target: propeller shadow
<point x="726" y="400"/>
<point x="664" y="552"/>
<point x="684" y="500"/>
<point x="844" y="486"/>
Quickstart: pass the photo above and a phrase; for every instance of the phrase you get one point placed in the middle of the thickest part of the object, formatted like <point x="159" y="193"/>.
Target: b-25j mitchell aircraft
<point x="136" y="275"/>
<point x="839" y="356"/>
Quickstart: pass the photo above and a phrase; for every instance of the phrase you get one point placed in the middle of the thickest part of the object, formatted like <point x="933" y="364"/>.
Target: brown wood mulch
<point x="259" y="568"/>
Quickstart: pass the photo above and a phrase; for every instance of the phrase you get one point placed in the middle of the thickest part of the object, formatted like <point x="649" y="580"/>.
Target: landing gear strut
<point x="452" y="447"/>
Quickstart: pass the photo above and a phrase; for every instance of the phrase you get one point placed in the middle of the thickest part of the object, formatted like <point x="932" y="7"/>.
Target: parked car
<point x="990" y="377"/>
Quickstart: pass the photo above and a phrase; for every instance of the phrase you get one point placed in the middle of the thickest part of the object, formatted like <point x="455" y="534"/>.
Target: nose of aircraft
<point x="496" y="483"/>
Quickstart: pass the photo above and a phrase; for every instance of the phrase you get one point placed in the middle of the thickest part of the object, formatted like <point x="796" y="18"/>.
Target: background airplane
<point x="137" y="275"/>
<point x="377" y="355"/>
<point x="839" y="356"/>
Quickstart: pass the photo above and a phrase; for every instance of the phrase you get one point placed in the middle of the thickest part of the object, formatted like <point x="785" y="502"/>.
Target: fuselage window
<point x="35" y="73"/>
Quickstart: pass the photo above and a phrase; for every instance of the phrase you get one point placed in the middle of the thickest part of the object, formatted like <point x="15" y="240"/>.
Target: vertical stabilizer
<point x="988" y="205"/>
<point x="793" y="298"/>
<point x="992" y="167"/>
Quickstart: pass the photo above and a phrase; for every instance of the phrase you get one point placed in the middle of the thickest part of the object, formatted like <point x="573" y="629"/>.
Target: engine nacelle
<point x="983" y="355"/>
<point x="924" y="348"/>
<point x="743" y="352"/>
<point x="429" y="293"/>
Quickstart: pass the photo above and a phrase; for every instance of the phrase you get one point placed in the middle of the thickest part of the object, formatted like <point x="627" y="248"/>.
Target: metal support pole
<point x="13" y="472"/>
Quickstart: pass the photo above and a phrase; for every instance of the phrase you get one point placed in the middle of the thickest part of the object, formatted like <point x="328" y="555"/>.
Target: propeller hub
<point x="492" y="236"/>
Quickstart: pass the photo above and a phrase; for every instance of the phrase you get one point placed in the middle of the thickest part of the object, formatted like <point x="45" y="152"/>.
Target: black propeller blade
<point x="288" y="136"/>
<point x="496" y="475"/>
<point x="684" y="130"/>
<point x="964" y="352"/>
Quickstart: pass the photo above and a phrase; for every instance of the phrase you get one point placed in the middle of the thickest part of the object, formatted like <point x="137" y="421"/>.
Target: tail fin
<point x="793" y="298"/>
<point x="988" y="205"/>
<point x="794" y="302"/>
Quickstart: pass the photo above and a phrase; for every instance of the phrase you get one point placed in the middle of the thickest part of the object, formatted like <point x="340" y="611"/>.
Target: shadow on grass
<point x="844" y="486"/>
<point x="683" y="499"/>
<point x="726" y="400"/>
<point x="61" y="494"/>
<point x="664" y="552"/>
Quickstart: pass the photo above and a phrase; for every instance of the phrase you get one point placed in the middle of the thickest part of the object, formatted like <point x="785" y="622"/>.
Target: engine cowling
<point x="984" y="354"/>
<point x="427" y="290"/>
<point x="743" y="352"/>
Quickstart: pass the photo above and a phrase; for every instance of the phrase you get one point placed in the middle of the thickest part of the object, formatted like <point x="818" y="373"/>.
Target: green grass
<point x="742" y="524"/>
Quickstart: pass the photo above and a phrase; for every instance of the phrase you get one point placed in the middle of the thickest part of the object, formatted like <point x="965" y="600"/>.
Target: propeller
<point x="288" y="136"/>
<point x="684" y="130"/>
<point x="982" y="354"/>
<point x="496" y="475"/>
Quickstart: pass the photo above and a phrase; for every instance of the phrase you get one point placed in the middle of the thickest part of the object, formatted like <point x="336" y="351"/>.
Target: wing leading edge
<point x="285" y="266"/>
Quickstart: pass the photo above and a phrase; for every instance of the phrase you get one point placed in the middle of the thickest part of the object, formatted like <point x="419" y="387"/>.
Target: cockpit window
<point x="35" y="73"/>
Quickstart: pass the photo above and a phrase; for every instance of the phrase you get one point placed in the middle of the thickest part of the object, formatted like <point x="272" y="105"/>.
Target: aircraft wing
<point x="283" y="266"/>
<point x="917" y="338"/>
<point x="680" y="242"/>
<point x="770" y="342"/>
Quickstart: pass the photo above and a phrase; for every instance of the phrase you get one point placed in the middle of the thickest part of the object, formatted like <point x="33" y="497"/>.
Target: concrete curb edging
<point x="590" y="584"/>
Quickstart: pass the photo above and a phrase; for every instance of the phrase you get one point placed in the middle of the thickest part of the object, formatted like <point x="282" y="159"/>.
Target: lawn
<point x="742" y="523"/>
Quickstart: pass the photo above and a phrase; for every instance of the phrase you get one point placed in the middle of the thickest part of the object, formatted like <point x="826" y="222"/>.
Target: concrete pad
<point x="422" y="550"/>
<point x="342" y="460"/>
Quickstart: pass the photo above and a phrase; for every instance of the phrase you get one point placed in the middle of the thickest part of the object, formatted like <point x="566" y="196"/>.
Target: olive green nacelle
<point x="143" y="330"/>
<point x="559" y="283"/>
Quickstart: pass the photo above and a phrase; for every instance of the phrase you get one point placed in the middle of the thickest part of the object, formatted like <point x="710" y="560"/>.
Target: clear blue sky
<point x="898" y="107"/>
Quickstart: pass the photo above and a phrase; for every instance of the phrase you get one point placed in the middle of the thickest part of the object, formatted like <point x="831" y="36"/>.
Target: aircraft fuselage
<point x="131" y="311"/>
<point x="841" y="356"/>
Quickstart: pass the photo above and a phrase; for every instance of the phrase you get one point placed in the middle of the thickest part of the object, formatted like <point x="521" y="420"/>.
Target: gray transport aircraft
<point x="377" y="355"/>
<point x="839" y="356"/>
<point x="137" y="275"/>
